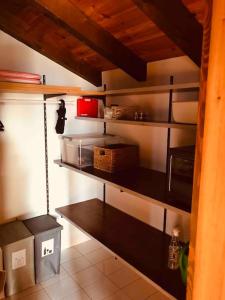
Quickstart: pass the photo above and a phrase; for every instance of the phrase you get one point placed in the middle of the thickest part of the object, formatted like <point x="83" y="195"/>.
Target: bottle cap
<point x="176" y="231"/>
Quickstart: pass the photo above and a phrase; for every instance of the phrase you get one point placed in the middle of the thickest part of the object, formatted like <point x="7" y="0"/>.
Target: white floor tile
<point x="139" y="290"/>
<point x="101" y="289"/>
<point x="62" y="289"/>
<point x="79" y="295"/>
<point x="88" y="246"/>
<point x="94" y="275"/>
<point x="110" y="265"/>
<point x="42" y="295"/>
<point x="88" y="276"/>
<point x="63" y="274"/>
<point x="158" y="296"/>
<point x="123" y="277"/>
<point x="118" y="296"/>
<point x="76" y="265"/>
<point x="98" y="255"/>
<point x="25" y="293"/>
<point x="69" y="254"/>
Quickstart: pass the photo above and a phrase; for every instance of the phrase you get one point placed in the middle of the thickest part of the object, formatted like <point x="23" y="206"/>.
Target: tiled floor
<point x="89" y="271"/>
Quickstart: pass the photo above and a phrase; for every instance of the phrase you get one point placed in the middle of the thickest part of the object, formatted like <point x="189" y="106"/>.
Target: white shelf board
<point x="141" y="123"/>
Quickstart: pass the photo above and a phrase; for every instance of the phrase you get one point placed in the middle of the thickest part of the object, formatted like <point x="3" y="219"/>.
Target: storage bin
<point x="120" y="112"/>
<point x="17" y="245"/>
<point x="77" y="149"/>
<point x="117" y="157"/>
<point x="47" y="246"/>
<point x="87" y="107"/>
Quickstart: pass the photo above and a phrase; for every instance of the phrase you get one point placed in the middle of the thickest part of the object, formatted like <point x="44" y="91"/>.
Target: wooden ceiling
<point x="91" y="36"/>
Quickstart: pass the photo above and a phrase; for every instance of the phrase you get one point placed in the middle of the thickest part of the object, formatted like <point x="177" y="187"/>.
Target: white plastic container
<point x="77" y="149"/>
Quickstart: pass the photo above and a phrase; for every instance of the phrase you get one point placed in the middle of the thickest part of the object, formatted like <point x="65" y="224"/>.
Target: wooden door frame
<point x="206" y="273"/>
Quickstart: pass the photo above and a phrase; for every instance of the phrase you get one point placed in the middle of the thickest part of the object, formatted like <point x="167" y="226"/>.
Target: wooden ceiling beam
<point x="72" y="19"/>
<point x="177" y="22"/>
<point x="11" y="25"/>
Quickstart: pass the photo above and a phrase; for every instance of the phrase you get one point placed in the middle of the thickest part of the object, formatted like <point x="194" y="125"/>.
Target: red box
<point x="87" y="107"/>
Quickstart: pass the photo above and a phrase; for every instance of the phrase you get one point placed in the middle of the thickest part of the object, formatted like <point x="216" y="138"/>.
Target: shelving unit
<point x="141" y="123"/>
<point x="141" y="245"/>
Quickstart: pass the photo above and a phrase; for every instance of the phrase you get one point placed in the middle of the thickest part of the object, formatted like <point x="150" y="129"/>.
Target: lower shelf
<point x="141" y="245"/>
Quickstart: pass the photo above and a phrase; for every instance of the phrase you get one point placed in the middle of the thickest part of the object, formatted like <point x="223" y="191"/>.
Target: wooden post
<point x="206" y="278"/>
<point x="199" y="143"/>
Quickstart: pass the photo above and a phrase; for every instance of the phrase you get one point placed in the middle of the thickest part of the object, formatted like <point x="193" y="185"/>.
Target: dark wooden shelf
<point x="142" y="123"/>
<point x="141" y="245"/>
<point x="144" y="183"/>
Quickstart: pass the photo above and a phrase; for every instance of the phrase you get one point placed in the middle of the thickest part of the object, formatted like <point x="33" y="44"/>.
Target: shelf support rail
<point x="46" y="148"/>
<point x="168" y="145"/>
<point x="104" y="132"/>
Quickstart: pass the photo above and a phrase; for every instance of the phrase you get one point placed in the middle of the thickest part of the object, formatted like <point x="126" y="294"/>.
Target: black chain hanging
<point x="168" y="145"/>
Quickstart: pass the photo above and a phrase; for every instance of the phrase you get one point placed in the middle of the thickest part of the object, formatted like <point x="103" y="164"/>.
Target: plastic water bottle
<point x="174" y="250"/>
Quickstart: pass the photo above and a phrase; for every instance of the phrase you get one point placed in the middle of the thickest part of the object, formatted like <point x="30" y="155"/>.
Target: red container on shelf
<point x="87" y="107"/>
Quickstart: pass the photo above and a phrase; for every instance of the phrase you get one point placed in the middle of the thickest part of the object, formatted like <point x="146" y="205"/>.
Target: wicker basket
<point x="117" y="157"/>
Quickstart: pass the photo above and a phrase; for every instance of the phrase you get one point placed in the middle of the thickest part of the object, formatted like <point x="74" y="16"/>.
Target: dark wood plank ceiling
<point x="177" y="22"/>
<point x="70" y="17"/>
<point x="123" y="20"/>
<point x="128" y="24"/>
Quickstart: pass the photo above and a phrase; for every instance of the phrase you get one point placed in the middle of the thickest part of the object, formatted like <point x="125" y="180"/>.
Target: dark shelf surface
<point x="141" y="245"/>
<point x="140" y="182"/>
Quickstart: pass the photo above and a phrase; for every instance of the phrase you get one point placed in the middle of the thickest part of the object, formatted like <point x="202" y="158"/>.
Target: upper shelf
<point x="27" y="88"/>
<point x="10" y="87"/>
<point x="142" y="123"/>
<point x="154" y="89"/>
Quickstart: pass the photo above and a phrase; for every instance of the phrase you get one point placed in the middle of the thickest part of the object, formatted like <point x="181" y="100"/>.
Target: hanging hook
<point x="1" y="126"/>
<point x="61" y="117"/>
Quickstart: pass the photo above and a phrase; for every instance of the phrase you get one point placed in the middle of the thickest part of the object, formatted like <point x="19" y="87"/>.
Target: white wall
<point x="22" y="168"/>
<point x="22" y="164"/>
